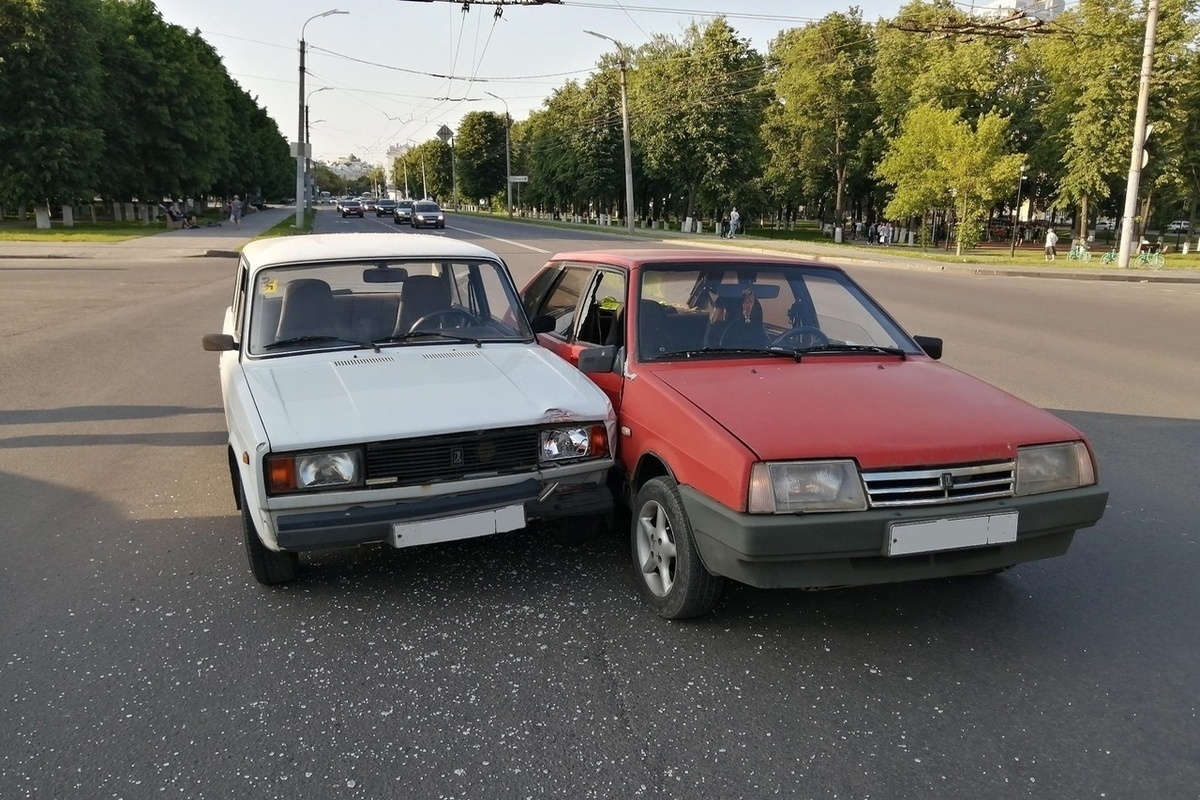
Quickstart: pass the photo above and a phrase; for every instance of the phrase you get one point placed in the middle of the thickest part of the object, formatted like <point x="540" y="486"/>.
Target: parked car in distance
<point x="384" y="205"/>
<point x="1106" y="225"/>
<point x="1179" y="226"/>
<point x="403" y="212"/>
<point x="427" y="214"/>
<point x="352" y="208"/>
<point x="383" y="389"/>
<point x="780" y="429"/>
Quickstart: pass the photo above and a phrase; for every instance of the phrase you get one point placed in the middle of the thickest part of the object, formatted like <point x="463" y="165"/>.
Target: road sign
<point x="518" y="178"/>
<point x="444" y="134"/>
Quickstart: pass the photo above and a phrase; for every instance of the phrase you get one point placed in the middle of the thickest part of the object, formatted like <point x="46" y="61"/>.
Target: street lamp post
<point x="1016" y="215"/>
<point x="507" y="152"/>
<point x="308" y="181"/>
<point x="301" y="141"/>
<point x="624" y="133"/>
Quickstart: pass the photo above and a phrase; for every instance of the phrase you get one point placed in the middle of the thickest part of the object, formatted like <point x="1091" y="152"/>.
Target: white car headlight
<point x="297" y="472"/>
<point x="1053" y="467"/>
<point x="573" y="443"/>
<point x="787" y="488"/>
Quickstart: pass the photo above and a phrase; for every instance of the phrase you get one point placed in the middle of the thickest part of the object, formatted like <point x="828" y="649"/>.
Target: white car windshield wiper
<point x="404" y="337"/>
<point x="314" y="339"/>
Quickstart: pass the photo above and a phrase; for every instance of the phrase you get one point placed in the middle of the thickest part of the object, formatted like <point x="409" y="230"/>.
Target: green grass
<point x="287" y="226"/>
<point x="14" y="231"/>
<point x="84" y="230"/>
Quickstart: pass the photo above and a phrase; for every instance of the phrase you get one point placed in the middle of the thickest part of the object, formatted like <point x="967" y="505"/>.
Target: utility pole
<point x="624" y="134"/>
<point x="1138" y="153"/>
<point x="1016" y="215"/>
<point x="302" y="142"/>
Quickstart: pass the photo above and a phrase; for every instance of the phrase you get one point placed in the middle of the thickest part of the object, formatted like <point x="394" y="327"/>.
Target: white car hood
<point x="328" y="399"/>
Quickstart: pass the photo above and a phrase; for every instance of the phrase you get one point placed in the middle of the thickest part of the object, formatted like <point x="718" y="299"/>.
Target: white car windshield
<point x="382" y="303"/>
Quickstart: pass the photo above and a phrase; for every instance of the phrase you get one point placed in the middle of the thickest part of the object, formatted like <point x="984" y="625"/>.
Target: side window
<point x="535" y="293"/>
<point x="240" y="297"/>
<point x="563" y="299"/>
<point x="602" y="315"/>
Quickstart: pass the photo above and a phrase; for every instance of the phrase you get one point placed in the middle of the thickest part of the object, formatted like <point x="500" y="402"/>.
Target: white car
<point x="1179" y="226"/>
<point x="389" y="389"/>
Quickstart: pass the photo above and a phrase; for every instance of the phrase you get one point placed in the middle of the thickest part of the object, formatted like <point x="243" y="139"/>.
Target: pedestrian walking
<point x="235" y="212"/>
<point x="1051" y="242"/>
<point x="734" y="222"/>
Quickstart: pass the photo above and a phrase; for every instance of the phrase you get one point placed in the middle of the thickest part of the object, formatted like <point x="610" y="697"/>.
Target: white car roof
<point x="335" y="246"/>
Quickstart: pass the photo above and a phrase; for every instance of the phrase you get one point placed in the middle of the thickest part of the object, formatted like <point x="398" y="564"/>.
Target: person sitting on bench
<point x="177" y="218"/>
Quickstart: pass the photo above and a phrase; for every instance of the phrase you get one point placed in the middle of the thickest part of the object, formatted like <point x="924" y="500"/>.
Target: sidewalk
<point x="218" y="241"/>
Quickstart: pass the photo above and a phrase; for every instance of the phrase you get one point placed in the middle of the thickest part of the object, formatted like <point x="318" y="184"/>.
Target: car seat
<point x="735" y="331"/>
<point x="307" y="310"/>
<point x="653" y="338"/>
<point x="421" y="296"/>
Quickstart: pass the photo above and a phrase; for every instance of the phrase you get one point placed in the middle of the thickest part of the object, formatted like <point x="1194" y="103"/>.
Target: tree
<point x="479" y="150"/>
<point x="939" y="160"/>
<point x="697" y="108"/>
<point x="50" y="93"/>
<point x="428" y="167"/>
<point x="824" y="109"/>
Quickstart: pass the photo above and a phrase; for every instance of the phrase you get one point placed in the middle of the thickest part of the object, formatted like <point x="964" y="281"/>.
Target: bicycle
<point x="1110" y="257"/>
<point x="1079" y="253"/>
<point x="1152" y="259"/>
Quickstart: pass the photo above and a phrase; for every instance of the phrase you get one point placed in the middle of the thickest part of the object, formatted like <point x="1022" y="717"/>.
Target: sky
<point x="370" y="81"/>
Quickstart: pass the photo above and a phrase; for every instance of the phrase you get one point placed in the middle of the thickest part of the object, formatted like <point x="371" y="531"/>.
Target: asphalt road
<point x="139" y="659"/>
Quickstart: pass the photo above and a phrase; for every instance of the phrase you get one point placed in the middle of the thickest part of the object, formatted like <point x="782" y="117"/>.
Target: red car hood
<point x="884" y="413"/>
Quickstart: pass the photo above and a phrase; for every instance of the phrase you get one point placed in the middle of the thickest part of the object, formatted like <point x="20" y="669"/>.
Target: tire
<point x="269" y="567"/>
<point x="442" y="226"/>
<point x="665" y="560"/>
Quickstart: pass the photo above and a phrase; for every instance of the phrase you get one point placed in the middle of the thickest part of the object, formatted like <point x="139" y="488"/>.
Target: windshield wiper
<point x="736" y="351"/>
<point x="311" y="338"/>
<point x="404" y="337"/>
<point x="833" y="347"/>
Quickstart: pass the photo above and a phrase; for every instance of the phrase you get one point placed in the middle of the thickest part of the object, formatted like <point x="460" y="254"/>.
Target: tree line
<point x="843" y="119"/>
<point x="104" y="99"/>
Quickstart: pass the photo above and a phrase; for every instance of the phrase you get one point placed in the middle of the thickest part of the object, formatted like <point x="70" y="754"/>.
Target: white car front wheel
<point x="269" y="566"/>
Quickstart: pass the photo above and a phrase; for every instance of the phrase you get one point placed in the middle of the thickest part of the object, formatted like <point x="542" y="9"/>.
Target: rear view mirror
<point x="542" y="323"/>
<point x="931" y="345"/>
<point x="597" y="359"/>
<point x="217" y="342"/>
<point x="384" y="274"/>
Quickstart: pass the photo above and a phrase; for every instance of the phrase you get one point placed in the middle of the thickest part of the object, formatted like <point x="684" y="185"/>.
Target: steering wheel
<point x="815" y="337"/>
<point x="466" y="317"/>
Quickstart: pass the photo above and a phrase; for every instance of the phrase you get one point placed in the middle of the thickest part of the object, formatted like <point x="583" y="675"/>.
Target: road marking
<point x="380" y="222"/>
<point x="506" y="241"/>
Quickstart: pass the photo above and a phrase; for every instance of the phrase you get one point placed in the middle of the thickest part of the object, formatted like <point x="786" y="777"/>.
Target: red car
<point x="777" y="427"/>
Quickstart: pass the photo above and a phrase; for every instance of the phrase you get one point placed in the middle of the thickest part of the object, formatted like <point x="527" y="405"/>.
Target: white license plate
<point x="466" y="526"/>
<point x="955" y="533"/>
